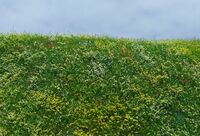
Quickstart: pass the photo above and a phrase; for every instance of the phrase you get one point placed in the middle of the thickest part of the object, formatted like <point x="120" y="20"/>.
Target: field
<point x="87" y="85"/>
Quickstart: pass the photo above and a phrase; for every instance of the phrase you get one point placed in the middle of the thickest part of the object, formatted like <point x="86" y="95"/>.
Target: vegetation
<point x="85" y="85"/>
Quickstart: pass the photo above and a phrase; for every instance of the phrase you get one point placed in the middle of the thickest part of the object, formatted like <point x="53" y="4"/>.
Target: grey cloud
<point x="128" y="18"/>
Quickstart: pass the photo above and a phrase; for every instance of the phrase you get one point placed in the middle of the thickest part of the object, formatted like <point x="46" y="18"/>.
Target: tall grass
<point x="84" y="85"/>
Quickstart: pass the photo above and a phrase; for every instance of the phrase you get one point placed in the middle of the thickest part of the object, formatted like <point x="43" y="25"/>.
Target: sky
<point x="148" y="19"/>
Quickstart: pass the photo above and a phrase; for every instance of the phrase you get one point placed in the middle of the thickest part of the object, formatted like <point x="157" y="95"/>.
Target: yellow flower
<point x="183" y="51"/>
<point x="50" y="102"/>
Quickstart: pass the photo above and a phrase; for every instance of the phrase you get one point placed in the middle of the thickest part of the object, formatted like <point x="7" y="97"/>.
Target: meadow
<point x="88" y="85"/>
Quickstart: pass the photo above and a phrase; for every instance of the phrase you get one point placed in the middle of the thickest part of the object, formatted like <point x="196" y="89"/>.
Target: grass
<point x="85" y="85"/>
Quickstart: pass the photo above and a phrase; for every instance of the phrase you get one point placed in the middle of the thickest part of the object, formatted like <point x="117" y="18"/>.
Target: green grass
<point x="85" y="85"/>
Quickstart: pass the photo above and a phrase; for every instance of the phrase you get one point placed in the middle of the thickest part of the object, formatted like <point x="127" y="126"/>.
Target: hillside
<point x="85" y="85"/>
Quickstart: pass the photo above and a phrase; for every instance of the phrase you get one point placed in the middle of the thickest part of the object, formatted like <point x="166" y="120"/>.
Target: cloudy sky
<point x="151" y="19"/>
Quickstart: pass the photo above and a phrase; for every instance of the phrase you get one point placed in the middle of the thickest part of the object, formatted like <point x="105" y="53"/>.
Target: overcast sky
<point x="152" y="19"/>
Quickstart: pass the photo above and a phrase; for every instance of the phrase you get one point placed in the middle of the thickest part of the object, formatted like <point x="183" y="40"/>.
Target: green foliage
<point x="84" y="85"/>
